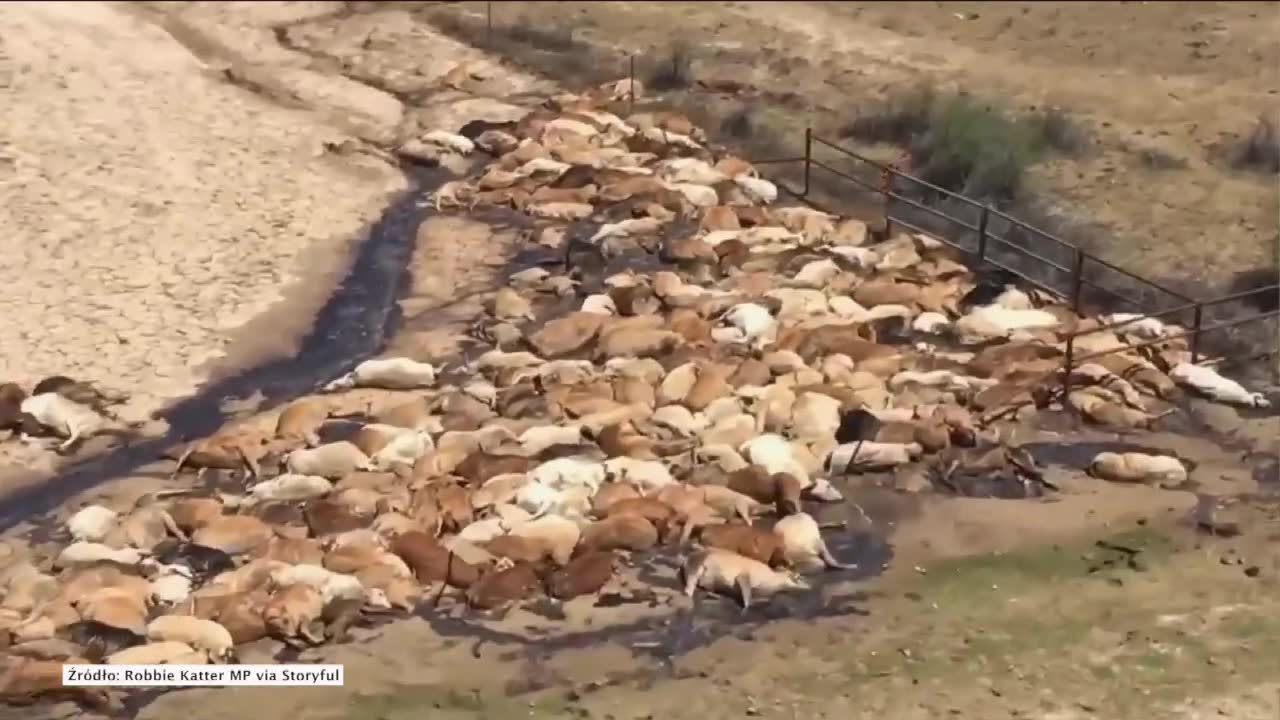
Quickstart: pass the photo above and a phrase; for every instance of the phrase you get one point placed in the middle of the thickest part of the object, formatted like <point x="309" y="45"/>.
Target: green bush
<point x="899" y="120"/>
<point x="675" y="71"/>
<point x="965" y="145"/>
<point x="975" y="149"/>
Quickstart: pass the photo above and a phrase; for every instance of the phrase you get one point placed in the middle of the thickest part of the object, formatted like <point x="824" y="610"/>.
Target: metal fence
<point x="993" y="238"/>
<point x="988" y="236"/>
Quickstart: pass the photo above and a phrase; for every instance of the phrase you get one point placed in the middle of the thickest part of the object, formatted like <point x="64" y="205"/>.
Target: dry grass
<point x="553" y="49"/>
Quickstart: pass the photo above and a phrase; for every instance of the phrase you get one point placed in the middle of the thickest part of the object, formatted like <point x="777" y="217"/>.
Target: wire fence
<point x="832" y="177"/>
<point x="1038" y="258"/>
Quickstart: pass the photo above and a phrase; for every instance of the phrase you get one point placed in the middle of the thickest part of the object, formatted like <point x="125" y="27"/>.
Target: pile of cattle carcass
<point x="698" y="406"/>
<point x="61" y="408"/>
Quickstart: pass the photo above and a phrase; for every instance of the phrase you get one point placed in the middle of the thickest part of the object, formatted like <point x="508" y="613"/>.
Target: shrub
<point x="965" y="145"/>
<point x="1160" y="159"/>
<point x="1257" y="280"/>
<point x="898" y="120"/>
<point x="740" y="123"/>
<point x="675" y="71"/>
<point x="1057" y="130"/>
<point x="974" y="149"/>
<point x="555" y="38"/>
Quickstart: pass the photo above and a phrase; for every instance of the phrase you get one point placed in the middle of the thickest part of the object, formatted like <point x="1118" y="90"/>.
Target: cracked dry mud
<point x="152" y="208"/>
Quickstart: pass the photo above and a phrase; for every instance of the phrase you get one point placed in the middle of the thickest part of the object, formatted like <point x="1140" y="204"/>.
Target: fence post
<point x="632" y="87"/>
<point x="488" y="25"/>
<point x="890" y="177"/>
<point x="982" y="234"/>
<point x="808" y="156"/>
<point x="1198" y="314"/>
<point x="1077" y="280"/>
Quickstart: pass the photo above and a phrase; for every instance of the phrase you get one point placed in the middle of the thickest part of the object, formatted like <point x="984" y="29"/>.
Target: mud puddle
<point x="354" y="324"/>
<point x="1079" y="455"/>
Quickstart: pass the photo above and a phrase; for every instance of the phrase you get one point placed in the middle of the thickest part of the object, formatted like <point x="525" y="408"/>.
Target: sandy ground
<point x="283" y="162"/>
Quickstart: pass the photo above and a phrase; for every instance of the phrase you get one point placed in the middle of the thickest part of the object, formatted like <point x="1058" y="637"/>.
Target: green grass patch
<point x="966" y="144"/>
<point x="1041" y="565"/>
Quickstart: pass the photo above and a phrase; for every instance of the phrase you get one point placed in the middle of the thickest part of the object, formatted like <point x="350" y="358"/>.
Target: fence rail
<point x="1046" y="262"/>
<point x="985" y="234"/>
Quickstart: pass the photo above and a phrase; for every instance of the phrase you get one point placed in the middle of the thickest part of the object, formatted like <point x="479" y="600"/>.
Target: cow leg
<point x="744" y="589"/>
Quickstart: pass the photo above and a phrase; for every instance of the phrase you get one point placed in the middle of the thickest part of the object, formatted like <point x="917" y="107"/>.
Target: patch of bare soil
<point x="155" y="210"/>
<point x="455" y="266"/>
<point x="178" y="238"/>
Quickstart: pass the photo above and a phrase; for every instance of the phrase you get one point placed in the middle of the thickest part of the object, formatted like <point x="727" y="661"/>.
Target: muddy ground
<point x="1102" y="602"/>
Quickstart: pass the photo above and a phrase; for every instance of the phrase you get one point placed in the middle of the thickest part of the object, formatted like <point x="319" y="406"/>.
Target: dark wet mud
<point x="1079" y="455"/>
<point x="673" y="625"/>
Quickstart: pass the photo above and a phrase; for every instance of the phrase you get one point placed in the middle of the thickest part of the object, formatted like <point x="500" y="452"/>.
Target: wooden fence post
<point x="488" y="25"/>
<point x="1197" y="317"/>
<point x="1077" y="281"/>
<point x="808" y="157"/>
<point x="889" y="176"/>
<point x="982" y="234"/>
